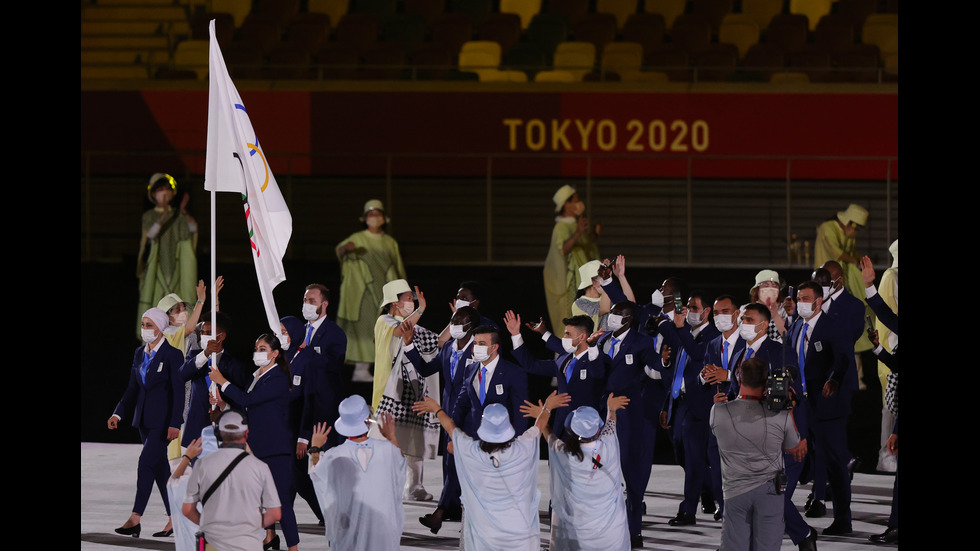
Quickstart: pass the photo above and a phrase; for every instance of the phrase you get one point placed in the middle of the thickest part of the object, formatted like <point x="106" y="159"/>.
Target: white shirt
<point x="490" y="366"/>
<point x="809" y="331"/>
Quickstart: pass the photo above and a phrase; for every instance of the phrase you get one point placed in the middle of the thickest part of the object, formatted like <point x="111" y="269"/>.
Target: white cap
<point x="562" y="195"/>
<point x="588" y="271"/>
<point x="495" y="426"/>
<point x="585" y="422"/>
<point x="353" y="411"/>
<point x="854" y="213"/>
<point x="392" y="289"/>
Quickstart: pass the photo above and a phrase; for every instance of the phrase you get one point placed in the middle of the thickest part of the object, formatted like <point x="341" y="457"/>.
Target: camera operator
<point x="751" y="440"/>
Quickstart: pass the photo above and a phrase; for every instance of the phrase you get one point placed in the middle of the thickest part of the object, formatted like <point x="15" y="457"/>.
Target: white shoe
<point x="888" y="464"/>
<point x="418" y="494"/>
<point x="361" y="373"/>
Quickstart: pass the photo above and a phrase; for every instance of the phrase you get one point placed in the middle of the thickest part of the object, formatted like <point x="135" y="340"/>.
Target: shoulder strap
<point x="221" y="478"/>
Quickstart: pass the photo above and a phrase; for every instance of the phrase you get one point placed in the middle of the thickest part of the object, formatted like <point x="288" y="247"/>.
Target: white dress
<point x="500" y="502"/>
<point x="362" y="507"/>
<point x="587" y="503"/>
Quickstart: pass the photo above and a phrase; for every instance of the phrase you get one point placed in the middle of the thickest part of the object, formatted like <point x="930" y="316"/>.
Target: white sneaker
<point x="361" y="373"/>
<point x="418" y="494"/>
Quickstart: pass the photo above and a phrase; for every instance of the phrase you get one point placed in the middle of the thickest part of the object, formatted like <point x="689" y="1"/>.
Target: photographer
<point x="751" y="439"/>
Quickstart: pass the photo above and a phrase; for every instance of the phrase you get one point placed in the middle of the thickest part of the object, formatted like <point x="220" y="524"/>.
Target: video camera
<point x="777" y="395"/>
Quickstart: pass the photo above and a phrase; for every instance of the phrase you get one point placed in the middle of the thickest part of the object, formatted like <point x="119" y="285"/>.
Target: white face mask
<point x="827" y="291"/>
<point x="566" y="343"/>
<point x="615" y="322"/>
<point x="460" y="303"/>
<point x="805" y="309"/>
<point x="261" y="359"/>
<point x="408" y="307"/>
<point x="768" y="294"/>
<point x="694" y="318"/>
<point x="180" y="319"/>
<point x="724" y="322"/>
<point x="309" y="311"/>
<point x="285" y="343"/>
<point x="747" y="332"/>
<point x="205" y="339"/>
<point x="481" y="353"/>
<point x="456" y="331"/>
<point x="148" y="335"/>
<point x="657" y="298"/>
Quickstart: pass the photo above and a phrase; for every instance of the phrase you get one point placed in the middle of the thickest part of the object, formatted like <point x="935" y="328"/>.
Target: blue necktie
<point x="675" y="389"/>
<point x="612" y="347"/>
<point x="803" y="354"/>
<point x="483" y="386"/>
<point x="748" y="354"/>
<point x="309" y="333"/>
<point x="453" y="360"/>
<point x="146" y="364"/>
<point x="568" y="369"/>
<point x="207" y="377"/>
<point x="724" y="356"/>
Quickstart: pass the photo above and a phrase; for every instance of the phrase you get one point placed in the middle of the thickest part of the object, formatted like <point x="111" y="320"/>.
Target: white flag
<point x="235" y="162"/>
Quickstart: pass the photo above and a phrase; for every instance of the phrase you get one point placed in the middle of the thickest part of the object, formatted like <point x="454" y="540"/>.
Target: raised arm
<point x="428" y="405"/>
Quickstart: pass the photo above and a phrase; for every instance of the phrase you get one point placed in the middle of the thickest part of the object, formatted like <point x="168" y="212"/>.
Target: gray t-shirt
<point x="232" y="518"/>
<point x="751" y="440"/>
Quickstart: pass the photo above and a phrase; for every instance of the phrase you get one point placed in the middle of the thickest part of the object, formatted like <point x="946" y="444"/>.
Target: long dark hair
<point x="491" y="447"/>
<point x="573" y="445"/>
<point x="273" y="341"/>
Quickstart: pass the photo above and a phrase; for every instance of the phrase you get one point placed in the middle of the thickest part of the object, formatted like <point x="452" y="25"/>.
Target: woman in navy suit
<point x="155" y="395"/>
<point x="266" y="401"/>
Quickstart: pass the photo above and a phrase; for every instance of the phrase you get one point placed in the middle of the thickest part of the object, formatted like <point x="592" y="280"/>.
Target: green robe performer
<point x="572" y="246"/>
<point x="835" y="241"/>
<point x="170" y="266"/>
<point x="368" y="259"/>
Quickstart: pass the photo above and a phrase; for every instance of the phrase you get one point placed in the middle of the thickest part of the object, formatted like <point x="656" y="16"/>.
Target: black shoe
<point x="817" y="509"/>
<point x="708" y="507"/>
<point x="682" y="519"/>
<point x="853" y="465"/>
<point x="163" y="533"/>
<point x="809" y="502"/>
<point x="719" y="515"/>
<point x="273" y="543"/>
<point x="636" y="542"/>
<point x="133" y="530"/>
<point x="643" y="506"/>
<point x="453" y="514"/>
<point x="810" y="542"/>
<point x="888" y="536"/>
<point x="431" y="522"/>
<point x="837" y="529"/>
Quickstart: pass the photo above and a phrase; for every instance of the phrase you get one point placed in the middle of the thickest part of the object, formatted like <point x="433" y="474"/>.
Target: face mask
<point x="837" y="283"/>
<point x="148" y="335"/>
<point x="309" y="312"/>
<point x="615" y="322"/>
<point x="769" y="294"/>
<point x="261" y="359"/>
<point x="457" y="332"/>
<point x="723" y="322"/>
<point x="747" y="332"/>
<point x="481" y="353"/>
<point x="566" y="343"/>
<point x="826" y="292"/>
<point x="180" y="319"/>
<point x="657" y="298"/>
<point x="460" y="303"/>
<point x="805" y="309"/>
<point x="694" y="318"/>
<point x="285" y="343"/>
<point x="579" y="208"/>
<point x="408" y="307"/>
<point x="205" y="339"/>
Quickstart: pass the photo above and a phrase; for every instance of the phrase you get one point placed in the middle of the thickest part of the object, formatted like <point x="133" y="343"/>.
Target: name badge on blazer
<point x="500" y="390"/>
<point x="297" y="379"/>
<point x="160" y="367"/>
<point x="818" y="346"/>
<point x="316" y="349"/>
<point x="582" y="373"/>
<point x="629" y="359"/>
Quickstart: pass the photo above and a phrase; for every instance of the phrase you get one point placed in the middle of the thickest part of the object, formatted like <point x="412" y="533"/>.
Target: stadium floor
<point x="108" y="485"/>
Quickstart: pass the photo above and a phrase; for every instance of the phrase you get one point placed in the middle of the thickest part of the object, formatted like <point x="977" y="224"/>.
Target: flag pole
<point x="214" y="222"/>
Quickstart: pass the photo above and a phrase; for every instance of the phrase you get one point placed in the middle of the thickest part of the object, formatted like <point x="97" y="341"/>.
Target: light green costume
<point x="888" y="289"/>
<point x="170" y="266"/>
<point x="831" y="244"/>
<point x="561" y="277"/>
<point x="363" y="272"/>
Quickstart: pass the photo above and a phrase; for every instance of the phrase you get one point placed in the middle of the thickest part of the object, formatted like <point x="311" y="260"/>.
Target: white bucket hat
<point x="354" y="411"/>
<point x="495" y="426"/>
<point x="392" y="289"/>
<point x="585" y="422"/>
<point x="588" y="271"/>
<point x="764" y="276"/>
<point x="854" y="213"/>
<point x="562" y="195"/>
<point x="374" y="204"/>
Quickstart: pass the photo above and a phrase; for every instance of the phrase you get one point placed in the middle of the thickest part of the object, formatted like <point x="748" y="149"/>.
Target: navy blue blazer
<point x="197" y="413"/>
<point x="777" y="356"/>
<point x="826" y="359"/>
<point x="699" y="397"/>
<point x="849" y="312"/>
<point x="442" y="361"/>
<point x="713" y="355"/>
<point x="625" y="374"/>
<point x="884" y="312"/>
<point x="509" y="379"/>
<point x="587" y="382"/>
<point x="159" y="402"/>
<point x="267" y="408"/>
<point x="643" y="312"/>
<point x="320" y="363"/>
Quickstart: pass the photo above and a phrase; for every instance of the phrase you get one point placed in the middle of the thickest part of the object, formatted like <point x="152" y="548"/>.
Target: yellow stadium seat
<point x="336" y="9"/>
<point x="812" y="9"/>
<point x="555" y="76"/>
<point x="526" y="9"/>
<point x="740" y="30"/>
<point x="881" y="29"/>
<point x="622" y="57"/>
<point x="577" y="58"/>
<point x="670" y="9"/>
<point x="480" y="56"/>
<point x="762" y="11"/>
<point x="622" y="9"/>
<point x="193" y="55"/>
<point x="238" y="9"/>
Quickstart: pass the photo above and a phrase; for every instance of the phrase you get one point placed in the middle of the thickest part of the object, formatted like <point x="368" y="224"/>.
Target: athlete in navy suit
<point x="828" y="384"/>
<point x="155" y="395"/>
<point x="506" y="384"/>
<point x="451" y="362"/>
